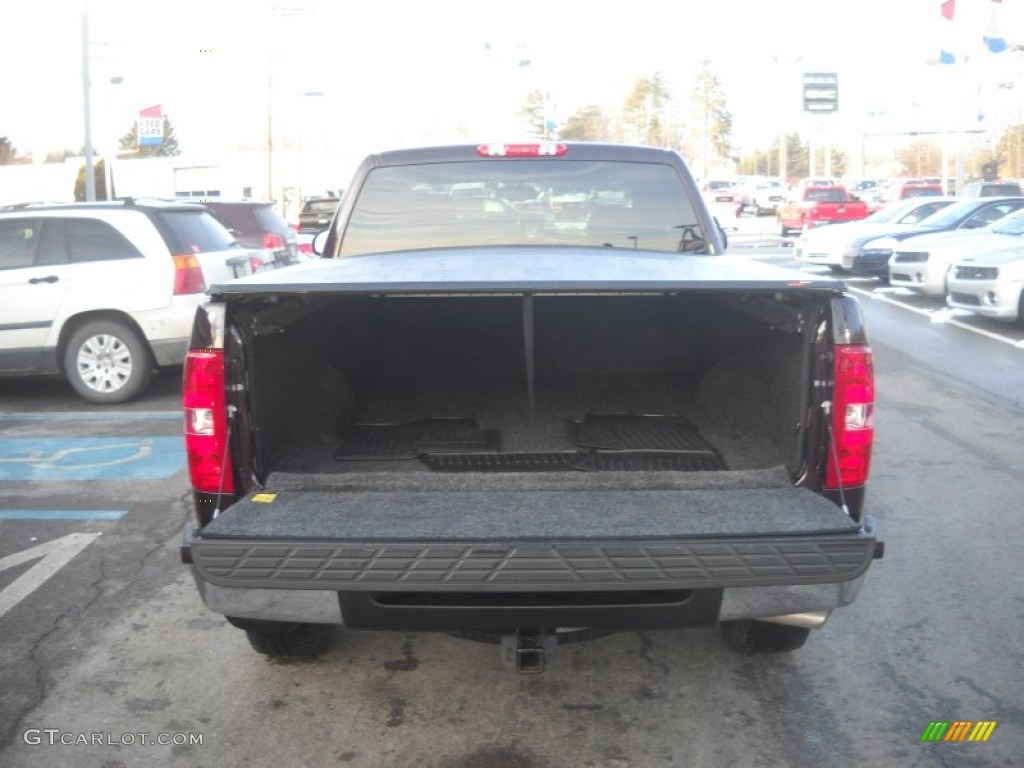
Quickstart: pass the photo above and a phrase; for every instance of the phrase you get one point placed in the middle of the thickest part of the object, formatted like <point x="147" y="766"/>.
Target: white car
<point x="990" y="284"/>
<point x="762" y="196"/>
<point x="106" y="292"/>
<point x="825" y="246"/>
<point x="922" y="263"/>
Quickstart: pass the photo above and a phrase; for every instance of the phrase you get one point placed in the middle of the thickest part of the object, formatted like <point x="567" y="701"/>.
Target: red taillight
<point x="540" y="149"/>
<point x="206" y="421"/>
<point x="188" y="275"/>
<point x="256" y="263"/>
<point x="305" y="247"/>
<point x="273" y="241"/>
<point x="853" y="428"/>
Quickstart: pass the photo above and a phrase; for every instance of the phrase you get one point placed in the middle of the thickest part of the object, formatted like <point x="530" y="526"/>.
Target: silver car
<point x="990" y="284"/>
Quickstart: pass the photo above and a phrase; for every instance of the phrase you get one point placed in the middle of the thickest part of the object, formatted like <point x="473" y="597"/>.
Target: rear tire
<point x="1020" y="308"/>
<point x="783" y="229"/>
<point x="283" y="640"/>
<point x="107" y="361"/>
<point x="749" y="636"/>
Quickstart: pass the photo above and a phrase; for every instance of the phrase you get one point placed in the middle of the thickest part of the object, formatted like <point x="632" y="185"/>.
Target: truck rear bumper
<point x="431" y="585"/>
<point x="792" y="604"/>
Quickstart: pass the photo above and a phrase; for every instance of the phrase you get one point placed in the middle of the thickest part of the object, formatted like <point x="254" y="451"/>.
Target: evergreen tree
<point x="644" y="110"/>
<point x="588" y="124"/>
<point x="100" y="178"/>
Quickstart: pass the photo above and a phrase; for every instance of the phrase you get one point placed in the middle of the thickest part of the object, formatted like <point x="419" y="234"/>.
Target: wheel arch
<point x="73" y="323"/>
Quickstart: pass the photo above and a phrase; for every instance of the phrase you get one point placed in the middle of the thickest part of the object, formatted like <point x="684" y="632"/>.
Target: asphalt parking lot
<point x="105" y="634"/>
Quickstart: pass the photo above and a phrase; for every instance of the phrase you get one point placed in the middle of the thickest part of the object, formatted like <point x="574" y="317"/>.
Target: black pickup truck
<point x="525" y="396"/>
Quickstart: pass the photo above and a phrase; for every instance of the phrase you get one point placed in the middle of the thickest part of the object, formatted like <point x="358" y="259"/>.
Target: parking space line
<point x="92" y="416"/>
<point x="62" y="514"/>
<point x="52" y="556"/>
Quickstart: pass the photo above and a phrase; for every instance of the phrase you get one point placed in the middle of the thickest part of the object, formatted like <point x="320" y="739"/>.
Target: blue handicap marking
<point x="90" y="458"/>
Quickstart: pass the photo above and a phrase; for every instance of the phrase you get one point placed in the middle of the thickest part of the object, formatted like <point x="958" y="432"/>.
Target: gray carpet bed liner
<point x="279" y="513"/>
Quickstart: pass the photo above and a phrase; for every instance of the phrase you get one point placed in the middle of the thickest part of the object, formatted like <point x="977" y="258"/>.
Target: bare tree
<point x="534" y="113"/>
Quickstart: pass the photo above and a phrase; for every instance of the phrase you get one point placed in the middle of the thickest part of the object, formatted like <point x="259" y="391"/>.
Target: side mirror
<point x="319" y="241"/>
<point x="721" y="233"/>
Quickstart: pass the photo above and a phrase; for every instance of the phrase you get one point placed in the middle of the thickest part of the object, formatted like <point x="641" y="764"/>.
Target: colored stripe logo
<point x="959" y="730"/>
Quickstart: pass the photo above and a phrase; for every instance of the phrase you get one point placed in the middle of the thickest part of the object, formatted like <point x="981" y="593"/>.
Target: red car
<point x="815" y="206"/>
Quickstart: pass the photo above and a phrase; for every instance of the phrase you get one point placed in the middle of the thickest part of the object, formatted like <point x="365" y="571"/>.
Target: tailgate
<point x="841" y="211"/>
<point x="531" y="540"/>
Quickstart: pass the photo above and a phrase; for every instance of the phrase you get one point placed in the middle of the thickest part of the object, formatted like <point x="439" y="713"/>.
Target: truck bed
<point x="515" y="441"/>
<point x="696" y="382"/>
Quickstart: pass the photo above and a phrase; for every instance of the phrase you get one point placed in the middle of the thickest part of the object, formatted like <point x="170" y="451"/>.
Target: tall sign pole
<point x="821" y="97"/>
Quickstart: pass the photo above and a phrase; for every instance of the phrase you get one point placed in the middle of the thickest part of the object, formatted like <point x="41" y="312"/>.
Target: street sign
<point x="151" y="127"/>
<point x="821" y="92"/>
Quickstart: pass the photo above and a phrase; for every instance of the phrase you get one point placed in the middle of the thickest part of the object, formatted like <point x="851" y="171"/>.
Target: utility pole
<point x="270" y="125"/>
<point x="90" y="178"/>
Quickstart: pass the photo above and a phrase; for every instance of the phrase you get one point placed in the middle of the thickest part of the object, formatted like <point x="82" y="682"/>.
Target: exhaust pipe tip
<point x="807" y="620"/>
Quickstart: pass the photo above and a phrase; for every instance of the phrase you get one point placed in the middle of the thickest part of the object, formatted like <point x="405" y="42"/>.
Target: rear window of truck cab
<point x="522" y="202"/>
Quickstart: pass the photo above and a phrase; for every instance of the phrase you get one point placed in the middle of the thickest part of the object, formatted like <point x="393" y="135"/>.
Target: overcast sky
<point x="388" y="72"/>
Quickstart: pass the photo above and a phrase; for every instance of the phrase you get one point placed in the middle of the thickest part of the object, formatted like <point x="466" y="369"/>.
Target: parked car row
<point x="969" y="250"/>
<point x="106" y="293"/>
<point x="978" y="270"/>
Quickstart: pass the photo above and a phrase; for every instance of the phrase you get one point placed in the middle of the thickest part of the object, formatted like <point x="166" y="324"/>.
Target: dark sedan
<point x="317" y="213"/>
<point x="868" y="256"/>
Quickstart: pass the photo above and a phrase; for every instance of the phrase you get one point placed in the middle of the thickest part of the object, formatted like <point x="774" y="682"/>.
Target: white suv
<point x="105" y="292"/>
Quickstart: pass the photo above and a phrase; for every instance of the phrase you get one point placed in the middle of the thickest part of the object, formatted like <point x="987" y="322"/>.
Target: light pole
<point x="108" y="160"/>
<point x="299" y="149"/>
